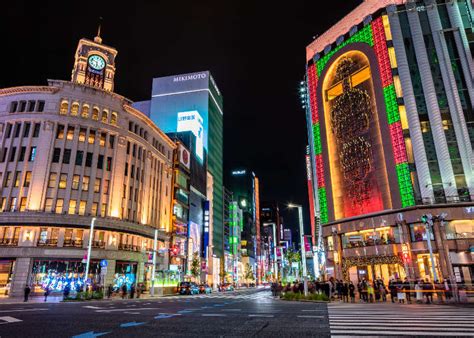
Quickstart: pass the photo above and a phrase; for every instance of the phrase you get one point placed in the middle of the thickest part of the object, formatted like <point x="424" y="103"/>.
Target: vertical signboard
<point x="205" y="237"/>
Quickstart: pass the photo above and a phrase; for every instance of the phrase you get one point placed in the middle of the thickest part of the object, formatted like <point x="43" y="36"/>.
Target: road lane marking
<point x="90" y="334"/>
<point x="263" y="316"/>
<point x="311" y="317"/>
<point x="231" y="309"/>
<point x="8" y="319"/>
<point x="127" y="309"/>
<point x="313" y="310"/>
<point x="92" y="307"/>
<point x="213" y="315"/>
<point x="23" y="310"/>
<point x="132" y="324"/>
<point x="133" y="313"/>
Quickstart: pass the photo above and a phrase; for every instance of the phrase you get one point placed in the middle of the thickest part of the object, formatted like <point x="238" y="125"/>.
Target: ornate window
<point x="75" y="109"/>
<point x="85" y="111"/>
<point x="64" y="107"/>
<point x="105" y="116"/>
<point x="113" y="118"/>
<point x="95" y="113"/>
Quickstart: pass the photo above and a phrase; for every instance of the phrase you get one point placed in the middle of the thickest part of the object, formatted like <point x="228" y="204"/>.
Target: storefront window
<point x="426" y="268"/>
<point x="125" y="274"/>
<point x="460" y="229"/>
<point x="418" y="233"/>
<point x="56" y="275"/>
<point x="330" y="243"/>
<point x="377" y="236"/>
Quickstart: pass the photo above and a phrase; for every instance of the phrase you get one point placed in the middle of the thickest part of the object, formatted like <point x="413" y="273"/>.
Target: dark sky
<point x="254" y="49"/>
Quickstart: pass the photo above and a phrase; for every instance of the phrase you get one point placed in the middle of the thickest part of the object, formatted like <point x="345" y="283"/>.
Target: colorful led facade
<point x="389" y="102"/>
<point x="374" y="35"/>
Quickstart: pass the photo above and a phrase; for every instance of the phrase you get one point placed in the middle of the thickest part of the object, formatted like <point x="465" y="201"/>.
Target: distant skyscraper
<point x="192" y="102"/>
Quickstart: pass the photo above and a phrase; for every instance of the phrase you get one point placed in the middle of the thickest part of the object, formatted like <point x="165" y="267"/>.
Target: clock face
<point x="96" y="62"/>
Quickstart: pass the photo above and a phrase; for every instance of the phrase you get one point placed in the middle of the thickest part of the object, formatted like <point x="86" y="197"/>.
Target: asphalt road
<point x="234" y="314"/>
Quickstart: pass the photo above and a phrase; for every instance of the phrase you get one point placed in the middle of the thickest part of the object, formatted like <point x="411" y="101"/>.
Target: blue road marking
<point x="131" y="324"/>
<point x="90" y="334"/>
<point x="166" y="315"/>
<point x="185" y="311"/>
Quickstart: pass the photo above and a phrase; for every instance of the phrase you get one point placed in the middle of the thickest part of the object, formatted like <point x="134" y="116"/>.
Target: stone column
<point x="109" y="277"/>
<point x="338" y="253"/>
<point x="442" y="259"/>
<point x="20" y="276"/>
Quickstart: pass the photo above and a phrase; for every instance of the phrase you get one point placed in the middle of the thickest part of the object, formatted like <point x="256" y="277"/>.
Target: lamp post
<point x="428" y="221"/>
<point x="303" y="250"/>
<point x="89" y="249"/>
<point x="152" y="290"/>
<point x="275" y="263"/>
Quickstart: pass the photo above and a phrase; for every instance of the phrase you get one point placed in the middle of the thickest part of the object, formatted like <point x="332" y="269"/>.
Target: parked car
<point x="188" y="288"/>
<point x="227" y="287"/>
<point x="204" y="288"/>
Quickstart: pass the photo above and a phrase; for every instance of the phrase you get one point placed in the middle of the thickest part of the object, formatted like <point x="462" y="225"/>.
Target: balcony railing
<point x="76" y="243"/>
<point x="98" y="244"/>
<point x="370" y="242"/>
<point x="9" y="242"/>
<point x="48" y="242"/>
<point x="129" y="247"/>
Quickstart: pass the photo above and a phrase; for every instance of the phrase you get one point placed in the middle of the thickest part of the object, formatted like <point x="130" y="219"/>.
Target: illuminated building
<point x="192" y="102"/>
<point x="71" y="151"/>
<point x="245" y="188"/>
<point x="391" y="127"/>
<point x="269" y="218"/>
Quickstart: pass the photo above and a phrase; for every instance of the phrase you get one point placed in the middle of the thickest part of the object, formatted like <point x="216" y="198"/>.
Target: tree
<point x="196" y="266"/>
<point x="292" y="257"/>
<point x="248" y="273"/>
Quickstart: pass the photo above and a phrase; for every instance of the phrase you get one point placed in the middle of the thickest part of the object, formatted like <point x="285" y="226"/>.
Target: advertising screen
<point x="179" y="97"/>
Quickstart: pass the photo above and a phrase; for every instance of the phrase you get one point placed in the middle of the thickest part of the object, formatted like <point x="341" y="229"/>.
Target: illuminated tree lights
<point x="374" y="35"/>
<point x="348" y="262"/>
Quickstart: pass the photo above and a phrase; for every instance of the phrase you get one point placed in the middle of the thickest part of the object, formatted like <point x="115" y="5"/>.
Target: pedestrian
<point x="124" y="290"/>
<point x="345" y="292"/>
<point x="447" y="287"/>
<point x="109" y="291"/>
<point x="132" y="291"/>
<point x="370" y="292"/>
<point x="382" y="292"/>
<point x="352" y="291"/>
<point x="393" y="290"/>
<point x="27" y="292"/>
<point x="46" y="293"/>
<point x="407" y="289"/>
<point x="439" y="291"/>
<point x="418" y="292"/>
<point x="428" y="291"/>
<point x="273" y="289"/>
<point x="66" y="291"/>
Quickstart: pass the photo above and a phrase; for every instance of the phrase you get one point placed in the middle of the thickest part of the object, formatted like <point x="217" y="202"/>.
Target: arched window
<point x="113" y="118"/>
<point x="85" y="111"/>
<point x="105" y="116"/>
<point x="75" y="109"/>
<point x="95" y="113"/>
<point x="64" y="107"/>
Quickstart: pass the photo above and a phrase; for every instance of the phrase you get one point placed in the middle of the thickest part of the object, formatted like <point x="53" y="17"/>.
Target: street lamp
<point x="89" y="249"/>
<point x="303" y="250"/>
<point x="152" y="290"/>
<point x="428" y="221"/>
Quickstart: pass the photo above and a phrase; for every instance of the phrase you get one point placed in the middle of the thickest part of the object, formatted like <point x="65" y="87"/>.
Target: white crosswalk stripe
<point x="258" y="295"/>
<point x="386" y="319"/>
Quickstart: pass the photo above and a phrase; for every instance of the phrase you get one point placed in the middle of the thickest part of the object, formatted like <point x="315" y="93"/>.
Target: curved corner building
<point x="71" y="151"/>
<point x="390" y="93"/>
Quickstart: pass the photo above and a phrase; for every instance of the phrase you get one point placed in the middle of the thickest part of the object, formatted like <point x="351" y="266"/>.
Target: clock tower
<point x="94" y="64"/>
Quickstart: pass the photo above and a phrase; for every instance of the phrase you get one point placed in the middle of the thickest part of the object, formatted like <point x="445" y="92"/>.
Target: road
<point x="243" y="313"/>
<point x="235" y="314"/>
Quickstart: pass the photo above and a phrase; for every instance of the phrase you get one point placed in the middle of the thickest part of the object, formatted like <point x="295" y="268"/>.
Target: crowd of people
<point x="399" y="291"/>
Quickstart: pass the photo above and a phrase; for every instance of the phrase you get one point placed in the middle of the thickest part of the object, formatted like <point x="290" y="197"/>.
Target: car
<point x="204" y="288"/>
<point x="188" y="288"/>
<point x="227" y="287"/>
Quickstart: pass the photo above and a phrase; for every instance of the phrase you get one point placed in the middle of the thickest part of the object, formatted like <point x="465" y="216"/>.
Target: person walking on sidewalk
<point x="124" y="290"/>
<point x="27" y="292"/>
<point x="109" y="291"/>
<point x="46" y="293"/>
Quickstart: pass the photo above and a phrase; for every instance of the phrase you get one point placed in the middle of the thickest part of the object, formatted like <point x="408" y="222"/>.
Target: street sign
<point x="104" y="263"/>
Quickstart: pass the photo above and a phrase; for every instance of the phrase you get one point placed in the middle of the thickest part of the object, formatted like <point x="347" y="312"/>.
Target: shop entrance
<point x="372" y="268"/>
<point x="6" y="268"/>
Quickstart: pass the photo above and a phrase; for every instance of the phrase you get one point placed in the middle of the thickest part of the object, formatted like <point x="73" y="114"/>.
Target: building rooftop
<point x="345" y="24"/>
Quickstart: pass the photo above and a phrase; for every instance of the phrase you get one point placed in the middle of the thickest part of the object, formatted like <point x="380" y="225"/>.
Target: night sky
<point x="254" y="49"/>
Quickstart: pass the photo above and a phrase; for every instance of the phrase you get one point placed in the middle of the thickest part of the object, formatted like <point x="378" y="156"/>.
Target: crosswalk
<point x="258" y="295"/>
<point x="387" y="319"/>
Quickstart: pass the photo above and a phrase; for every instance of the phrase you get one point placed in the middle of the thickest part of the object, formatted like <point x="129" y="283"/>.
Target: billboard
<point x="194" y="238"/>
<point x="176" y="99"/>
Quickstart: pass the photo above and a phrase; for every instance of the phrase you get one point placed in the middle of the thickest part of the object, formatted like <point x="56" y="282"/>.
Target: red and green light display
<point x="373" y="35"/>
